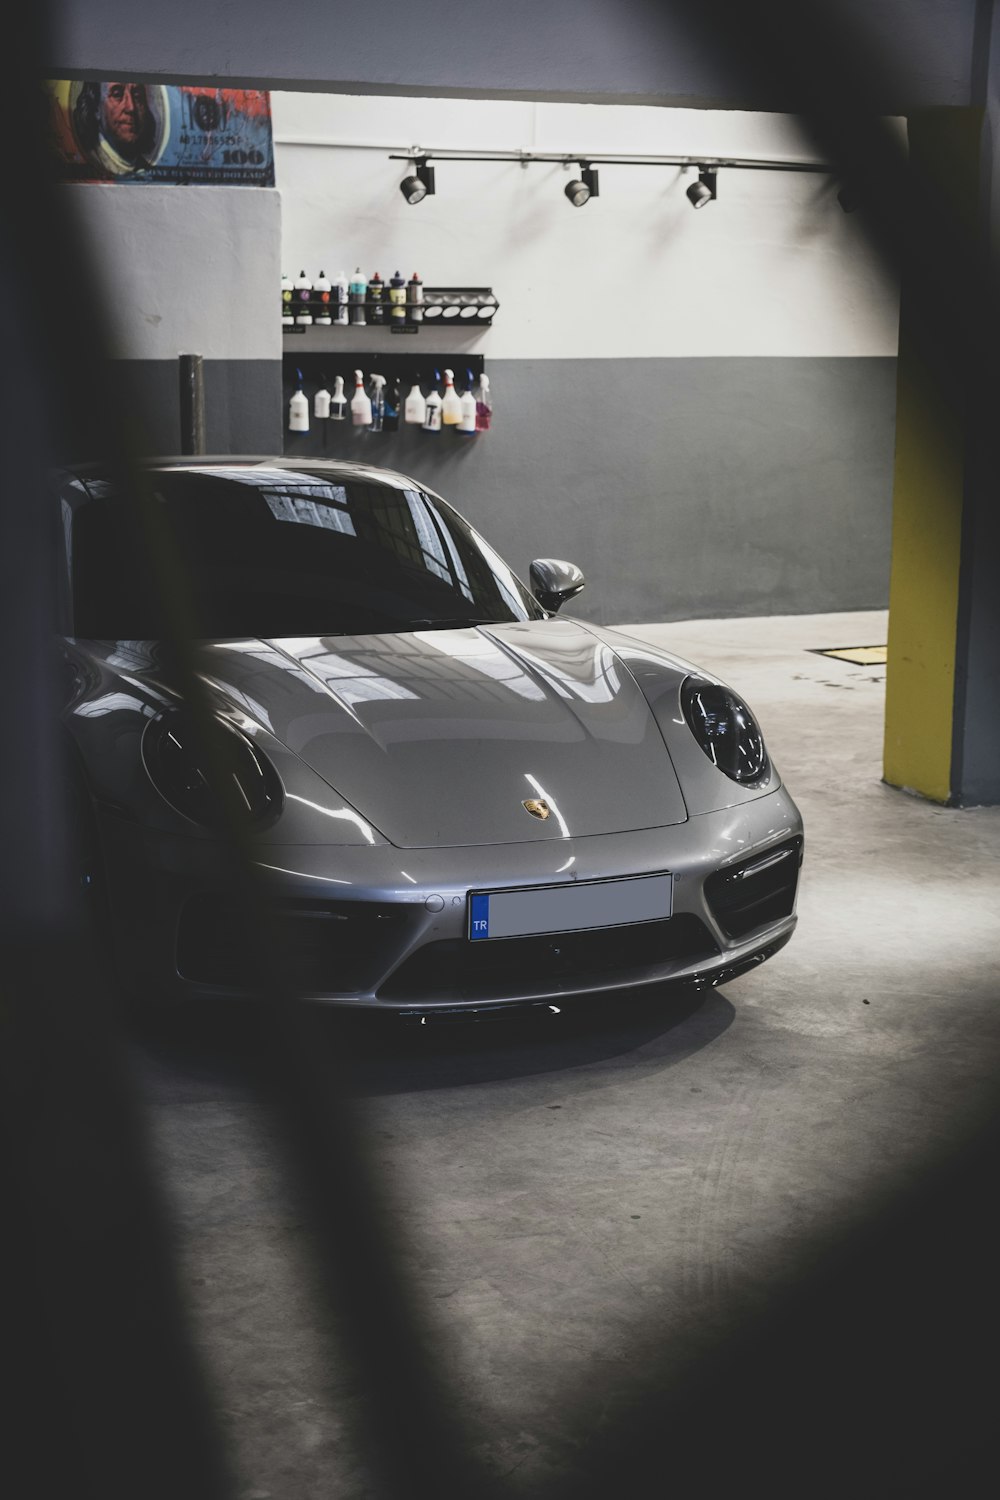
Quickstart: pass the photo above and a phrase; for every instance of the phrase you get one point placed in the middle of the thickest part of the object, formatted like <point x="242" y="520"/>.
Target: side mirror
<point x="554" y="581"/>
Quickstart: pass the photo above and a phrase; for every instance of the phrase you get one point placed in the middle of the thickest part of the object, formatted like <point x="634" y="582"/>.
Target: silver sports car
<point x="454" y="799"/>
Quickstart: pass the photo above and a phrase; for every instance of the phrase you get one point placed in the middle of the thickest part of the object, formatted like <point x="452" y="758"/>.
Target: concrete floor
<point x="576" y="1198"/>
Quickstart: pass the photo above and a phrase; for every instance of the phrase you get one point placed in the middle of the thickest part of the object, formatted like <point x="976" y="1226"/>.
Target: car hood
<point x="438" y="737"/>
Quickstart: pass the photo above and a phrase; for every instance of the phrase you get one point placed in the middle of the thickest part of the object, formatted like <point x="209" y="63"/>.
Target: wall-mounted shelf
<point x="463" y="313"/>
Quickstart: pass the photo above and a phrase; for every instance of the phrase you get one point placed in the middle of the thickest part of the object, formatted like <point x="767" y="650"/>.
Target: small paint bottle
<point x="376" y="306"/>
<point x="287" y="292"/>
<point x="415" y="299"/>
<point x="397" y="300"/>
<point x="303" y="300"/>
<point x="357" y="292"/>
<point x="322" y="296"/>
<point x="341" y="315"/>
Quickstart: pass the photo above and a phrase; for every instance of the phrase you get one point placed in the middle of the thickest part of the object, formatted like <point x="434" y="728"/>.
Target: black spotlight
<point x="414" y="189"/>
<point x="703" y="191"/>
<point x="584" y="187"/>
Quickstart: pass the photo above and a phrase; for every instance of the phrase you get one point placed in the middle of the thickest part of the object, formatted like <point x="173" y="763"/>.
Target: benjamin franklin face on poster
<point x="121" y="127"/>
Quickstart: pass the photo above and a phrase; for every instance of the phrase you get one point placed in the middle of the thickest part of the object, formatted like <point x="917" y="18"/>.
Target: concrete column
<point x="942" y="728"/>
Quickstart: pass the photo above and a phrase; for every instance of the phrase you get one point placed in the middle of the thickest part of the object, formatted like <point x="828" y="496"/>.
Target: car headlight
<point x="186" y="759"/>
<point x="726" y="730"/>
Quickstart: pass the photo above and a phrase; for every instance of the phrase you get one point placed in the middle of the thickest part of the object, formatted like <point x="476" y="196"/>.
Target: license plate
<point x="577" y="907"/>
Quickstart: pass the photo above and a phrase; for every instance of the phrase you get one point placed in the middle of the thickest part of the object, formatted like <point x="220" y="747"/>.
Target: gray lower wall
<point x="682" y="487"/>
<point x="242" y="405"/>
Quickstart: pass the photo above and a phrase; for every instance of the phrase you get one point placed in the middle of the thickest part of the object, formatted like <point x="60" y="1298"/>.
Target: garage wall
<point x="696" y="407"/>
<point x="192" y="270"/>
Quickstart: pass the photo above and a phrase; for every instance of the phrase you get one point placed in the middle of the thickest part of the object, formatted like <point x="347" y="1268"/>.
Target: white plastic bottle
<point x="378" y="402"/>
<point x="298" y="410"/>
<point x="415" y="409"/>
<point x="484" y="405"/>
<point x="361" y="406"/>
<point x="338" y="401"/>
<point x="432" y="413"/>
<point x="321" y="402"/>
<point x="303" y="300"/>
<point x="467" y="419"/>
<point x="287" y="292"/>
<point x="451" y="406"/>
<point x="341" y="315"/>
<point x="323" y="295"/>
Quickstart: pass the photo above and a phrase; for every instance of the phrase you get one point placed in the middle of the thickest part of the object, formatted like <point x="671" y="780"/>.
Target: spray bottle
<point x="415" y="409"/>
<point x="287" y="316"/>
<point x="298" y="409"/>
<point x="432" y="414"/>
<point x="339" y="299"/>
<point x="467" y="420"/>
<point x="323" y="292"/>
<point x="415" y="299"/>
<point x="356" y="295"/>
<point x="321" y="401"/>
<point x="484" y="405"/>
<point x="303" y="298"/>
<point x="451" y="406"/>
<point x="338" y="401"/>
<point x="392" y="404"/>
<point x="361" y="407"/>
<point x="378" y="402"/>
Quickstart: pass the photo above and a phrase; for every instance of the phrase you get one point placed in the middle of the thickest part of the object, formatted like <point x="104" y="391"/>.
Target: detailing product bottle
<point x="397" y="299"/>
<point x="451" y="406"/>
<point x="432" y="414"/>
<point x="467" y="419"/>
<point x="376" y="288"/>
<point x="339" y="298"/>
<point x="392" y="405"/>
<point x="415" y="299"/>
<point x="298" y="409"/>
<point x="287" y="291"/>
<point x="321" y="401"/>
<point x="378" y="402"/>
<point x="338" y="401"/>
<point x="323" y="293"/>
<point x="415" y="409"/>
<point x="361" y="407"/>
<point x="484" y="405"/>
<point x="303" y="300"/>
<point x="356" y="294"/>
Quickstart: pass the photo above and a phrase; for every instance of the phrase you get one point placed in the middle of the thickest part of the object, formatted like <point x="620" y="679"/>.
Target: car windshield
<point x="273" y="552"/>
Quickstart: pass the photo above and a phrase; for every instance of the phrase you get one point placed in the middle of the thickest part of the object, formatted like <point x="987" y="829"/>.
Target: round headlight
<point x="199" y="769"/>
<point x="726" y="730"/>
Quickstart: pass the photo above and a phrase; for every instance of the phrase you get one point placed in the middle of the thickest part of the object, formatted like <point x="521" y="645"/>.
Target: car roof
<point x="225" y="465"/>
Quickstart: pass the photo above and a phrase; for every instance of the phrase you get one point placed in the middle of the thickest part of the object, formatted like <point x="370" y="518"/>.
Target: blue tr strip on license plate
<point x="569" y="908"/>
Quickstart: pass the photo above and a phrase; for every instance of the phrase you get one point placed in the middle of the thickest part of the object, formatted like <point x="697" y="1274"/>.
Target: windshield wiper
<point x="460" y="622"/>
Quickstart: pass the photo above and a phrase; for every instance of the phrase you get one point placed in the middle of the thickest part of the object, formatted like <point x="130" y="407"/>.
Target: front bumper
<point x="387" y="928"/>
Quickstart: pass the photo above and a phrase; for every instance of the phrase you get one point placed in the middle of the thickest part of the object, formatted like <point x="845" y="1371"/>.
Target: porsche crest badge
<point x="537" y="807"/>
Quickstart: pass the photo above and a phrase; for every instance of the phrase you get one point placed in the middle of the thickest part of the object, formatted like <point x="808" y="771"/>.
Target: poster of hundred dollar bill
<point x="147" y="132"/>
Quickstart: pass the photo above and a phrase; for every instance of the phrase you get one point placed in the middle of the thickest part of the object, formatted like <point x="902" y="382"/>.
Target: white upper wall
<point x="186" y="270"/>
<point x="773" y="267"/>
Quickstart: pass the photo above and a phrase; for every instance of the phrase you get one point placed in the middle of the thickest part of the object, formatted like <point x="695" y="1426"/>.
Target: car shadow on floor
<point x="213" y="1046"/>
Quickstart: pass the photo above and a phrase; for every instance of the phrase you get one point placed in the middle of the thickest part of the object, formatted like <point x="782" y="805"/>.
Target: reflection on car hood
<point x="438" y="737"/>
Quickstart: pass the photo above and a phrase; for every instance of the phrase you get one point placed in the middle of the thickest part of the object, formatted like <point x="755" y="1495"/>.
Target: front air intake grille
<point x="320" y="947"/>
<point x="503" y="967"/>
<point x="757" y="891"/>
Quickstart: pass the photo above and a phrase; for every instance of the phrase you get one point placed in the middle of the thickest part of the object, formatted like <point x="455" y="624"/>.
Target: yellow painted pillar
<point x="929" y="489"/>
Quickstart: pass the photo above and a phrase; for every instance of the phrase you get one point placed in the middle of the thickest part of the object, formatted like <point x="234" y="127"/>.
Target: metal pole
<point x="192" y="391"/>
